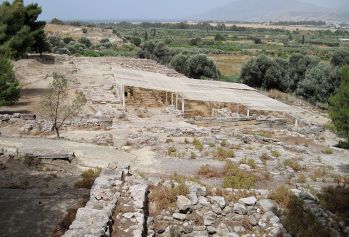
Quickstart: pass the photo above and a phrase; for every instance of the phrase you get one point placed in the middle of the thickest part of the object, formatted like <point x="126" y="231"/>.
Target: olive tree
<point x="56" y="104"/>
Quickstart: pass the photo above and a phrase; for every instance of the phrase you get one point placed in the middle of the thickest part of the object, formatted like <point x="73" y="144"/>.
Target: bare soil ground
<point x="34" y="198"/>
<point x="93" y="34"/>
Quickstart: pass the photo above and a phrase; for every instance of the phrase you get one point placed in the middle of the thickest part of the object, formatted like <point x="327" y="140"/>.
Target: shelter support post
<point x="238" y="109"/>
<point x="123" y="97"/>
<point x="171" y="98"/>
<point x="248" y="113"/>
<point x="296" y="123"/>
<point x="182" y="105"/>
<point x="166" y="97"/>
<point x="176" y="101"/>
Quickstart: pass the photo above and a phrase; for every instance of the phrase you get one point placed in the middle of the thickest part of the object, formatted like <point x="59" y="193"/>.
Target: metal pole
<point x="171" y="98"/>
<point x="248" y="113"/>
<point x="166" y="98"/>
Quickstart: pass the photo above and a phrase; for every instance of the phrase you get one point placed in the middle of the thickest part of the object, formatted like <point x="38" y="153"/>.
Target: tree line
<point x="304" y="75"/>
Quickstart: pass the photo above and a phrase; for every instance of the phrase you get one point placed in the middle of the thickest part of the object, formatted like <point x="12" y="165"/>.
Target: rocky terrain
<point x="163" y="174"/>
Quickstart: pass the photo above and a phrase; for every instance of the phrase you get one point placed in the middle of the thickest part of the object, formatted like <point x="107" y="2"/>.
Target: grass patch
<point x="301" y="178"/>
<point x="172" y="151"/>
<point x="264" y="133"/>
<point x="282" y="195"/>
<point x="249" y="162"/>
<point x="88" y="178"/>
<point x="327" y="151"/>
<point x="320" y="172"/>
<point x="208" y="171"/>
<point x="193" y="156"/>
<point x="197" y="144"/>
<point x="222" y="154"/>
<point x="236" y="178"/>
<point x="292" y="164"/>
<point x="165" y="197"/>
<point x="275" y="154"/>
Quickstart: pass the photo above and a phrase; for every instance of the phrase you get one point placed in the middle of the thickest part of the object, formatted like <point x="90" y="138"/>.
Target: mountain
<point x="278" y="10"/>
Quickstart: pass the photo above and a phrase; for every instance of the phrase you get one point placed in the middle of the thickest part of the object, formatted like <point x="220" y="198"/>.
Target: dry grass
<point x="265" y="133"/>
<point x="230" y="64"/>
<point x="320" y="172"/>
<point x="292" y="164"/>
<point x="282" y="195"/>
<point x="336" y="200"/>
<point x="264" y="158"/>
<point x="301" y="178"/>
<point x="249" y="162"/>
<point x="327" y="151"/>
<point x="165" y="197"/>
<point x="209" y="172"/>
<point x="222" y="154"/>
<point x="88" y="178"/>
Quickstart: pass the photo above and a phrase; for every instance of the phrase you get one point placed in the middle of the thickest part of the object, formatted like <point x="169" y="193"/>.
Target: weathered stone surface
<point x="179" y="216"/>
<point x="222" y="229"/>
<point x="217" y="199"/>
<point x="240" y="209"/>
<point x="209" y="218"/>
<point x="268" y="205"/>
<point x="183" y="204"/>
<point x="249" y="201"/>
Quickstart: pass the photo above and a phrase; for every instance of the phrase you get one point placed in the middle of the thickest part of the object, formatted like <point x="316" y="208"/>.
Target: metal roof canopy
<point x="200" y="90"/>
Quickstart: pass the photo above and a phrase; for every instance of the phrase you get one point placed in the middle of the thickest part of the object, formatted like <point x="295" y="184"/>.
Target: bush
<point x="201" y="66"/>
<point x="219" y="37"/>
<point x="340" y="58"/>
<point x="195" y="41"/>
<point x="9" y="86"/>
<point x="84" y="30"/>
<point x="180" y="63"/>
<point x="336" y="200"/>
<point x="136" y="41"/>
<point x="327" y="151"/>
<point x="236" y="178"/>
<point x="165" y="197"/>
<point x="276" y="154"/>
<point x="85" y="41"/>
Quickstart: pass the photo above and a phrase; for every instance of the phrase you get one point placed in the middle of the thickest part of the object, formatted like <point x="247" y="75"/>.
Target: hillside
<point x="274" y="10"/>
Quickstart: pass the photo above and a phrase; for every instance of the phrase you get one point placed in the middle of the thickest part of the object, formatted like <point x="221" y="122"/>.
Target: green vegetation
<point x="339" y="106"/>
<point x="302" y="74"/>
<point x="198" y="145"/>
<point x="236" y="178"/>
<point x="19" y="29"/>
<point x="222" y="154"/>
<point x="9" y="86"/>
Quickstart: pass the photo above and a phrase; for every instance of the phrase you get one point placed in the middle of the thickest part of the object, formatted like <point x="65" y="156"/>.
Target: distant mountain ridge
<point x="278" y="10"/>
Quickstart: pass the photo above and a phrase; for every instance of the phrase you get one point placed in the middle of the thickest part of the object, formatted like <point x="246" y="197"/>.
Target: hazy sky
<point x="131" y="9"/>
<point x="124" y="9"/>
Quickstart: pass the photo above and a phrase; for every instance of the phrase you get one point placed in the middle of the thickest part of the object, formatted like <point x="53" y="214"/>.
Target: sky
<point x="131" y="9"/>
<point x="124" y="9"/>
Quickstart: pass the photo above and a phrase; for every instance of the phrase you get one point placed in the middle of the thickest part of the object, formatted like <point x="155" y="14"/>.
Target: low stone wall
<point x="95" y="219"/>
<point x="113" y="191"/>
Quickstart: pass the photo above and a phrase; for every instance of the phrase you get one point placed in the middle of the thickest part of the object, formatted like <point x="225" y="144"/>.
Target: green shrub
<point x="198" y="145"/>
<point x="236" y="178"/>
<point x="276" y="154"/>
<point x="327" y="151"/>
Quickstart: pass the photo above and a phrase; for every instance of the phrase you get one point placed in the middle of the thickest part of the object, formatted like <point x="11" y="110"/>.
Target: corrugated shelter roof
<point x="201" y="90"/>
